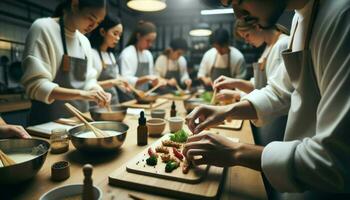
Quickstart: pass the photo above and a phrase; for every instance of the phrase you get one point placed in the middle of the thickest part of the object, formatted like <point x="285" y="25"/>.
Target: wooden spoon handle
<point x="151" y="90"/>
<point x="5" y="159"/>
<point x="214" y="97"/>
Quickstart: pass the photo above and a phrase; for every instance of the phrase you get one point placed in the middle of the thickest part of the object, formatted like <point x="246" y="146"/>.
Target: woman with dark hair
<point x="172" y="66"/>
<point x="269" y="64"/>
<point x="136" y="60"/>
<point x="104" y="40"/>
<point x="57" y="61"/>
<point x="222" y="59"/>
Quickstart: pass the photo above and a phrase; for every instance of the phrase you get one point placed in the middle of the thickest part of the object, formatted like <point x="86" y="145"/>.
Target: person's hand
<point x="188" y="83"/>
<point x="211" y="149"/>
<point x="207" y="116"/>
<point x="9" y="131"/>
<point x="224" y="82"/>
<point x="122" y="84"/>
<point x="206" y="81"/>
<point x="153" y="79"/>
<point x="101" y="97"/>
<point x="172" y="82"/>
<point x="228" y="96"/>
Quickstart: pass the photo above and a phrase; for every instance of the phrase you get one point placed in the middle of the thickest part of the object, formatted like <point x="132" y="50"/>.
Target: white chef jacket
<point x="318" y="160"/>
<point x="163" y="64"/>
<point x="129" y="59"/>
<point x="237" y="65"/>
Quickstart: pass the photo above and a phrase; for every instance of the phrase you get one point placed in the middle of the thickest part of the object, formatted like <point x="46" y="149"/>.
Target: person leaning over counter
<point x="313" y="160"/>
<point x="172" y="66"/>
<point x="104" y="40"/>
<point x="57" y="61"/>
<point x="136" y="60"/>
<point x="221" y="60"/>
<point x="265" y="70"/>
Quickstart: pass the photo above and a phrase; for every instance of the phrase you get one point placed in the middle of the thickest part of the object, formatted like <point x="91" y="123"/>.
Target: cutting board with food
<point x="134" y="104"/>
<point x="231" y="124"/>
<point x="164" y="159"/>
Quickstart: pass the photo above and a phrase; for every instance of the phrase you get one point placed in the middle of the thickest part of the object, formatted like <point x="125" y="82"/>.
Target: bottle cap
<point x="173" y="106"/>
<point x="142" y="119"/>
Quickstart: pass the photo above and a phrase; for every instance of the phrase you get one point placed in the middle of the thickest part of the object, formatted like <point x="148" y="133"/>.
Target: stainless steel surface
<point x="111" y="143"/>
<point x="190" y="104"/>
<point x="102" y="114"/>
<point x="151" y="98"/>
<point x="25" y="170"/>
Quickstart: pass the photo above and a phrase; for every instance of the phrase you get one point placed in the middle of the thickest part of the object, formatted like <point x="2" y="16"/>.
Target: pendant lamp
<point x="147" y="5"/>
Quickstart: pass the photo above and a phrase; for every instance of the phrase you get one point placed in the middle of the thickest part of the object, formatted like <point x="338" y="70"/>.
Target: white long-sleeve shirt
<point x="108" y="59"/>
<point x="129" y="61"/>
<point x="237" y="63"/>
<point x="315" y="161"/>
<point x="42" y="57"/>
<point x="163" y="64"/>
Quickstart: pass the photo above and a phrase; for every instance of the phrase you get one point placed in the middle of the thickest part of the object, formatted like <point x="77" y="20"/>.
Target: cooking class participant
<point x="57" y="61"/>
<point x="172" y="66"/>
<point x="276" y="40"/>
<point x="10" y="131"/>
<point x="104" y="40"/>
<point x="221" y="60"/>
<point x="313" y="159"/>
<point x="136" y="60"/>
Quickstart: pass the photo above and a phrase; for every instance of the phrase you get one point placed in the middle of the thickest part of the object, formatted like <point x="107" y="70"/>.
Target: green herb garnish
<point x="179" y="136"/>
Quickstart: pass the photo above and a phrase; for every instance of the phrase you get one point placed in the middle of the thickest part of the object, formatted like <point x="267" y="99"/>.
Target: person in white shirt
<point x="104" y="40"/>
<point x="172" y="66"/>
<point x="276" y="40"/>
<point x="313" y="160"/>
<point x="57" y="61"/>
<point x="222" y="59"/>
<point x="136" y="60"/>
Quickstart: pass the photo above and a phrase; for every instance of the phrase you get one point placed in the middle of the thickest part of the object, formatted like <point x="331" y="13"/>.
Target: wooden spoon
<point x="5" y="159"/>
<point x="139" y="93"/>
<point x="151" y="90"/>
<point x="99" y="133"/>
<point x="214" y="97"/>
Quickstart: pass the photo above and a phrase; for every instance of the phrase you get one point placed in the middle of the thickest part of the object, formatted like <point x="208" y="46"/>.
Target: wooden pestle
<point x="88" y="188"/>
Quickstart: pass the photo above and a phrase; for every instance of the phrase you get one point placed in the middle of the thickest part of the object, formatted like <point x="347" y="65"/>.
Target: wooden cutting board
<point x="138" y="165"/>
<point x="232" y="125"/>
<point x="174" y="97"/>
<point x="134" y="104"/>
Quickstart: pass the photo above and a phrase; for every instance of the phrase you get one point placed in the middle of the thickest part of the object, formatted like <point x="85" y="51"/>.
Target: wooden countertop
<point x="240" y="183"/>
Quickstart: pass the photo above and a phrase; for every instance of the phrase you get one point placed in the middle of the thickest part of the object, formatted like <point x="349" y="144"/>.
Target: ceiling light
<point x="217" y="11"/>
<point x="201" y="30"/>
<point x="147" y="5"/>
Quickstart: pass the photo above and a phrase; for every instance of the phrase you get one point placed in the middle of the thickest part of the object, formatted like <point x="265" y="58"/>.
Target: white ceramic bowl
<point x="175" y="124"/>
<point x="155" y="126"/>
<point x="69" y="191"/>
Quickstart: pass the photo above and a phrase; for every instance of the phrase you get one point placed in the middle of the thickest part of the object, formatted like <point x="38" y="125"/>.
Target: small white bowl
<point x="69" y="191"/>
<point x="155" y="126"/>
<point x="175" y="124"/>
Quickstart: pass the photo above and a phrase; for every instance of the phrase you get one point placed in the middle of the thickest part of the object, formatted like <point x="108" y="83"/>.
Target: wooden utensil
<point x="137" y="92"/>
<point x="151" y="90"/>
<point x="108" y="107"/>
<point x="5" y="159"/>
<point x="99" y="133"/>
<point x="214" y="97"/>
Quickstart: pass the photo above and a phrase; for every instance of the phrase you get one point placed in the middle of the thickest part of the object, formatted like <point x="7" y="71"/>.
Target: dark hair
<point x="143" y="28"/>
<point x="243" y="25"/>
<point x="65" y="5"/>
<point x="176" y="44"/>
<point x="221" y="37"/>
<point x="96" y="38"/>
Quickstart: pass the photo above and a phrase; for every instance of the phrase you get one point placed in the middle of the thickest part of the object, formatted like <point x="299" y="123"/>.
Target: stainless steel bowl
<point x="151" y="98"/>
<point x="25" y="170"/>
<point x="111" y="143"/>
<point x="190" y="104"/>
<point x="102" y="114"/>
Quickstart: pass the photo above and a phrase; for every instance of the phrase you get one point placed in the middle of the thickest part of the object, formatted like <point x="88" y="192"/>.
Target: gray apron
<point x="217" y="72"/>
<point x="169" y="75"/>
<point x="109" y="71"/>
<point x="142" y="70"/>
<point x="71" y="74"/>
<point x="274" y="130"/>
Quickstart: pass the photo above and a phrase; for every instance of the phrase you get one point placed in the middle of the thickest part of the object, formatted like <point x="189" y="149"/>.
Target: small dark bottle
<point x="173" y="110"/>
<point x="142" y="131"/>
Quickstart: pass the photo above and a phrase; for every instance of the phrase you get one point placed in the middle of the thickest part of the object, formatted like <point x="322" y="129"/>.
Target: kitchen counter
<point x="240" y="183"/>
<point x="11" y="103"/>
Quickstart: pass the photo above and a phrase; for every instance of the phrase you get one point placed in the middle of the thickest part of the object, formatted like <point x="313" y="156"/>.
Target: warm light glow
<point x="200" y="32"/>
<point x="147" y="5"/>
<point x="217" y="11"/>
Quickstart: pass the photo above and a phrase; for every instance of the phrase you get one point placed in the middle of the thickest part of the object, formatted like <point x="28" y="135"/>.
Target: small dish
<point x="159" y="113"/>
<point x="155" y="126"/>
<point x="175" y="124"/>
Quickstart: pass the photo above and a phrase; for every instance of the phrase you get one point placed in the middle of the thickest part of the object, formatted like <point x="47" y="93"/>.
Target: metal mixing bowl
<point x="151" y="98"/>
<point x="25" y="170"/>
<point x="102" y="114"/>
<point x="111" y="143"/>
<point x="190" y="104"/>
